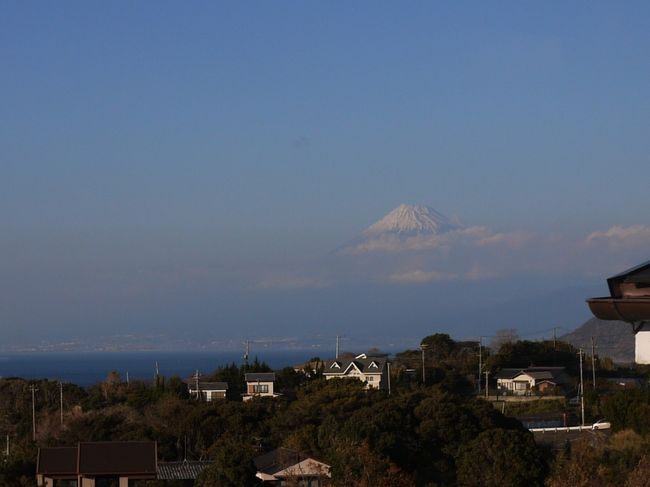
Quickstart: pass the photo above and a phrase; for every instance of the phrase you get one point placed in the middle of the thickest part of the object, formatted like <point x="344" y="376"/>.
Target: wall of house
<point x="250" y="387"/>
<point x="642" y="347"/>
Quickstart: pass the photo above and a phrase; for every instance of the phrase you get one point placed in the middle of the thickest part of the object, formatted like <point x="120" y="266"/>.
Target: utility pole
<point x="487" y="387"/>
<point x="33" y="388"/>
<point x="196" y="381"/>
<point x="480" y="363"/>
<point x="582" y="390"/>
<point x="248" y="349"/>
<point x="555" y="337"/>
<point x="127" y="379"/>
<point x="388" y="371"/>
<point x="593" y="362"/>
<point x="7" y="451"/>
<point x="337" y="346"/>
<point x="423" y="347"/>
<point x="61" y="400"/>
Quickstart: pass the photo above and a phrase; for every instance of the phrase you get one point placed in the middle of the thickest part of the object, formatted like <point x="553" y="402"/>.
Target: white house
<point x="259" y="384"/>
<point x="368" y="369"/>
<point x="521" y="382"/>
<point x="283" y="466"/>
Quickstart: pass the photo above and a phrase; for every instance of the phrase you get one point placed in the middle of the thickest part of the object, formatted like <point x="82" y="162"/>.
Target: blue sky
<point x="231" y="141"/>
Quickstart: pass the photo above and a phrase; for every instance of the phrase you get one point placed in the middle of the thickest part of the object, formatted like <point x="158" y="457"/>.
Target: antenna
<point x="247" y="352"/>
<point x="196" y="380"/>
<point x="338" y="338"/>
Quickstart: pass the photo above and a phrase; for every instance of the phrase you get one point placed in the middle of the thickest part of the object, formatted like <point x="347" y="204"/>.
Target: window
<point x="260" y="388"/>
<point x="370" y="379"/>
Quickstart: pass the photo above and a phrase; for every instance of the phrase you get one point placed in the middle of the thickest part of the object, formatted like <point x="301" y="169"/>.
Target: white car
<point x="601" y="425"/>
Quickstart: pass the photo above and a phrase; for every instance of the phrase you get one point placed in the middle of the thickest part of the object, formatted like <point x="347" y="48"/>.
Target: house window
<point x="370" y="379"/>
<point x="260" y="388"/>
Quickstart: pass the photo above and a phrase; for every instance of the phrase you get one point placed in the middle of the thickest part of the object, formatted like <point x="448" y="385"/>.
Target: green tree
<point x="233" y="464"/>
<point x="501" y="458"/>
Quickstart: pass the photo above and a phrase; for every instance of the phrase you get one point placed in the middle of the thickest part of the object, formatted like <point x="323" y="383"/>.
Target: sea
<point x="88" y="368"/>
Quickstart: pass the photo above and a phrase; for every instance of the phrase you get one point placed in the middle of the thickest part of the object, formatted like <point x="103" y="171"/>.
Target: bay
<point x="88" y="368"/>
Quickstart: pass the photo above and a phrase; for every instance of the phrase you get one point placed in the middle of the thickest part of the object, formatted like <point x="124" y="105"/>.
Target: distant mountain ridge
<point x="614" y="339"/>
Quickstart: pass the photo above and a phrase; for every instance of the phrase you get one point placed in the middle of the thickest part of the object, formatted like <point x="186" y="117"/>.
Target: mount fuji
<point x="402" y="223"/>
<point x="409" y="220"/>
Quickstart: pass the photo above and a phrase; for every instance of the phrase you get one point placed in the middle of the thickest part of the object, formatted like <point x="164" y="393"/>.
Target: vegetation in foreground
<point x="438" y="434"/>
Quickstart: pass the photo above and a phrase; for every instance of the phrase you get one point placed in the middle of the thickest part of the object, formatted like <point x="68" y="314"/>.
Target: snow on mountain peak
<point x="412" y="219"/>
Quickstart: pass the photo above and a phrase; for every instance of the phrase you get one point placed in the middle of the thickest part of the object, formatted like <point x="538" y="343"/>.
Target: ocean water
<point x="88" y="368"/>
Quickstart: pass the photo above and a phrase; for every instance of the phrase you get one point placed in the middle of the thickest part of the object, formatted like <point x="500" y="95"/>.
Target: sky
<point x="191" y="169"/>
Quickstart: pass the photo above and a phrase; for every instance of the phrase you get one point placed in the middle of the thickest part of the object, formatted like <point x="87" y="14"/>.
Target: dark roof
<point x="637" y="274"/>
<point x="181" y="470"/>
<point x="363" y="364"/>
<point x="260" y="376"/>
<point x="629" y="297"/>
<point x="60" y="460"/>
<point x="117" y="457"/>
<point x="209" y="386"/>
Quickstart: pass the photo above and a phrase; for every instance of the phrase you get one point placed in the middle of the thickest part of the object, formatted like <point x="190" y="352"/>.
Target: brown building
<point x="97" y="464"/>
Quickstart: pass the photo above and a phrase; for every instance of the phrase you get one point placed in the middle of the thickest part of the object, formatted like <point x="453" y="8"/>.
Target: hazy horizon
<point x="194" y="170"/>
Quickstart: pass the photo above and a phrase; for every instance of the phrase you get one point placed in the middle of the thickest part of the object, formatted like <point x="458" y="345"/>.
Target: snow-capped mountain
<point x="406" y="224"/>
<point x="410" y="220"/>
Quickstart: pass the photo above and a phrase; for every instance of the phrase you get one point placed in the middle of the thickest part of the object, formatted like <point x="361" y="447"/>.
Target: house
<point x="184" y="472"/>
<point x="629" y="301"/>
<point x="259" y="384"/>
<point x="372" y="370"/>
<point x="522" y="382"/>
<point x="283" y="466"/>
<point x="209" y="391"/>
<point x="97" y="463"/>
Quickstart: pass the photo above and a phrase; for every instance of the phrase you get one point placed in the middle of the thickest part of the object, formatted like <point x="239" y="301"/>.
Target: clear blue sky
<point x="148" y="136"/>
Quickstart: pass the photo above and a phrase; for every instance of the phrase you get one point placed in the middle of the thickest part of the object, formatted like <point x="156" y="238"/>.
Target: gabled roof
<point x="537" y="373"/>
<point x="260" y="376"/>
<point x="283" y="462"/>
<point x="100" y="458"/>
<point x="57" y="461"/>
<point x="369" y="365"/>
<point x="117" y="457"/>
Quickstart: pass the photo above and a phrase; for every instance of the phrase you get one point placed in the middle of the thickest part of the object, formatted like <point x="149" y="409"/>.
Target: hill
<point x="614" y="339"/>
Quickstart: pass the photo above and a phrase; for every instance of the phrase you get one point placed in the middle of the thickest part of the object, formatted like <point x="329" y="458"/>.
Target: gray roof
<point x="260" y="376"/>
<point x="180" y="470"/>
<point x="365" y="365"/>
<point x="209" y="386"/>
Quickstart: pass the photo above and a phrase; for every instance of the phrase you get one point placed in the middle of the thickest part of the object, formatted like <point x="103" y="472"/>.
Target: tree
<point x="501" y="458"/>
<point x="233" y="464"/>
